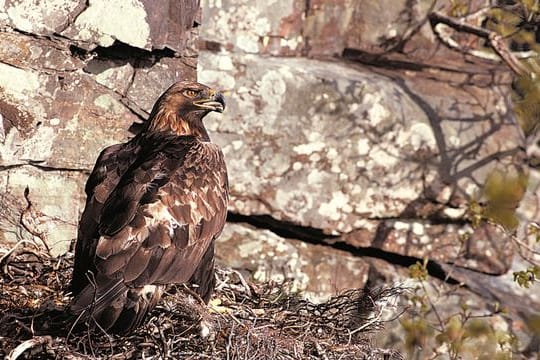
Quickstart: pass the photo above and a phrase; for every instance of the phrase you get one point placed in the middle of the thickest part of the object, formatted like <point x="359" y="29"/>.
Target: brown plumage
<point x="154" y="207"/>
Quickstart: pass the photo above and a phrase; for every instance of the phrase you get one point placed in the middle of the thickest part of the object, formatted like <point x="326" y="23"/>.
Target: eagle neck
<point x="169" y="122"/>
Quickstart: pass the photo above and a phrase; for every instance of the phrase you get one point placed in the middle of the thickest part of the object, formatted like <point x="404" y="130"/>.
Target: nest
<point x="243" y="321"/>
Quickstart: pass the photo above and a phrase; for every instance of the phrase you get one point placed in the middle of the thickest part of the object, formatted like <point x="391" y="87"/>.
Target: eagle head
<point x="182" y="107"/>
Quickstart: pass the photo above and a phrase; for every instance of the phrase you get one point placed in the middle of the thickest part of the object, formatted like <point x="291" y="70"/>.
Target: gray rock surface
<point x="354" y="153"/>
<point x="316" y="271"/>
<point x="384" y="143"/>
<point x="40" y="17"/>
<point x="319" y="28"/>
<point x="143" y="24"/>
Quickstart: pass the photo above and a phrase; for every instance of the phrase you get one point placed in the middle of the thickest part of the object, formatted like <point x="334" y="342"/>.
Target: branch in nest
<point x="28" y="219"/>
<point x="34" y="345"/>
<point x="440" y="24"/>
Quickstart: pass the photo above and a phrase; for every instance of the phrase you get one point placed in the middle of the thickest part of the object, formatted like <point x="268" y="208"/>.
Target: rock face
<point x="384" y="158"/>
<point x="312" y="269"/>
<point x="349" y="119"/>
<point x="74" y="79"/>
<point x="139" y="23"/>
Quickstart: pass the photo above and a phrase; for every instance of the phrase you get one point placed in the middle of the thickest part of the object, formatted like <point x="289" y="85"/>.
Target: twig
<point x="10" y="251"/>
<point x="527" y="247"/>
<point x="495" y="40"/>
<point x="229" y="342"/>
<point x="28" y="209"/>
<point x="433" y="307"/>
<point x="165" y="346"/>
<point x="288" y="325"/>
<point x="243" y="282"/>
<point x="320" y="351"/>
<point x="35" y="342"/>
<point x="520" y="245"/>
<point x="375" y="319"/>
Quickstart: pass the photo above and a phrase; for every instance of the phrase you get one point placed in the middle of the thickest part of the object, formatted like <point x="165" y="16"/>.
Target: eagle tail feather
<point x="138" y="303"/>
<point x="118" y="308"/>
<point x="203" y="279"/>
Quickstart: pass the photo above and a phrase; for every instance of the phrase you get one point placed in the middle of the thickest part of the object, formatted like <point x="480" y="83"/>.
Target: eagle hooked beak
<point x="216" y="102"/>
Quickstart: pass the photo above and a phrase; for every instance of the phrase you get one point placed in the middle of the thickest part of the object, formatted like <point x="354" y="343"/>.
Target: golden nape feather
<point x="154" y="207"/>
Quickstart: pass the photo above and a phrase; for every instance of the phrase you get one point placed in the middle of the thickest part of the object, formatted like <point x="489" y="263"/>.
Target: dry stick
<point x="35" y="342"/>
<point x="320" y="351"/>
<point x="26" y="226"/>
<point x="12" y="250"/>
<point x="526" y="246"/>
<point x="495" y="40"/>
<point x="243" y="282"/>
<point x="372" y="321"/>
<point x="525" y="256"/>
<point x="229" y="342"/>
<point x="522" y="245"/>
<point x="164" y="344"/>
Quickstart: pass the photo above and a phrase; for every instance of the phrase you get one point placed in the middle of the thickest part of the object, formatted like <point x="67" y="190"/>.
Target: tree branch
<point x="496" y="41"/>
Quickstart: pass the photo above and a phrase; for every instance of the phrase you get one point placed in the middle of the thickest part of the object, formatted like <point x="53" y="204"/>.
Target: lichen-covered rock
<point x="48" y="214"/>
<point x="155" y="79"/>
<point x="255" y="27"/>
<point x="387" y="156"/>
<point x="315" y="270"/>
<point x="327" y="143"/>
<point x="143" y="24"/>
<point x="115" y="75"/>
<point x="104" y="22"/>
<point x="39" y="17"/>
<point x="355" y="153"/>
<point x="53" y="118"/>
<point x="315" y="28"/>
<point x="375" y="27"/>
<point x="35" y="53"/>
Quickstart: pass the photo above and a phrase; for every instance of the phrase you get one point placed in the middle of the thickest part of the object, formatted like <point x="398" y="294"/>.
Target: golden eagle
<point x="154" y="208"/>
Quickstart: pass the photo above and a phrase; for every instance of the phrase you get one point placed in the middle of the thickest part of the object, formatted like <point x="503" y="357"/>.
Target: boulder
<point x="40" y="17"/>
<point x="317" y="271"/>
<point x="385" y="161"/>
<point x="142" y="24"/>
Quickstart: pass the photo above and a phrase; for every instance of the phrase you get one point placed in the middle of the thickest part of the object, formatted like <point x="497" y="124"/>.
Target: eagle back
<point x="165" y="216"/>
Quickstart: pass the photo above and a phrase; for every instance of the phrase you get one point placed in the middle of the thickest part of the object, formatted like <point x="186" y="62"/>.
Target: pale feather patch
<point x="161" y="214"/>
<point x="147" y="291"/>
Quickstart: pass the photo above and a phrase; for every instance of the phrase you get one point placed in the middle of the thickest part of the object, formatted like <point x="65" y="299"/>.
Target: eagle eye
<point x="191" y="93"/>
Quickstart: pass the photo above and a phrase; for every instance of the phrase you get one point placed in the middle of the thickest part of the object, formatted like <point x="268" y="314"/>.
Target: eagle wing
<point x="160" y="220"/>
<point x="111" y="164"/>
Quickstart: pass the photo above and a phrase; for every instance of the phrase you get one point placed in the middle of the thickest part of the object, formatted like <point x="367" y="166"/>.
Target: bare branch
<point x="496" y="41"/>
